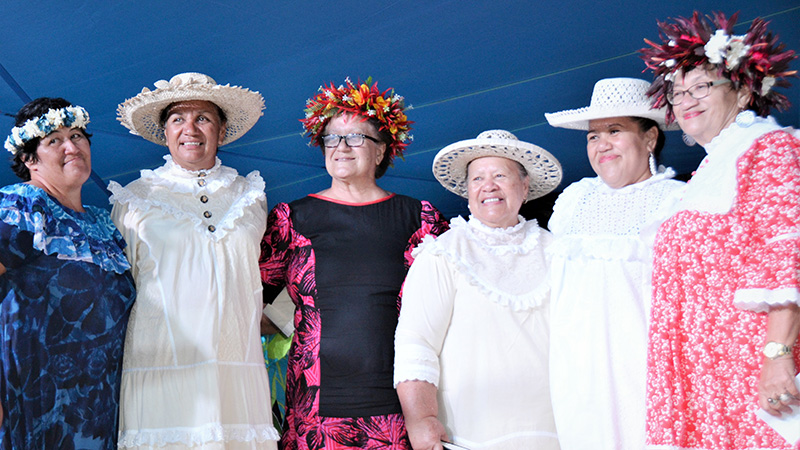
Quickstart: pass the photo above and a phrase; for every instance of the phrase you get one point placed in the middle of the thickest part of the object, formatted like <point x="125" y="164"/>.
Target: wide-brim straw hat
<point x="450" y="164"/>
<point x="141" y="113"/>
<point x="612" y="97"/>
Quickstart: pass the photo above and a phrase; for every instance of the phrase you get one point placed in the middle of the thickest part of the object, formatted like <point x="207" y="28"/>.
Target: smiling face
<point x="496" y="190"/>
<point x="353" y="164"/>
<point x="64" y="160"/>
<point x="194" y="131"/>
<point x="703" y="119"/>
<point x="618" y="150"/>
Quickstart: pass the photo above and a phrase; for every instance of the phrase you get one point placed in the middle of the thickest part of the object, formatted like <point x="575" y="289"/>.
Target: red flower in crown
<point x="362" y="99"/>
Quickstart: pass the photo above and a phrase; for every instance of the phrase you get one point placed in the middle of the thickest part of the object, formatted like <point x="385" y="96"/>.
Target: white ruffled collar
<point x="183" y="180"/>
<point x="713" y="187"/>
<point x="506" y="264"/>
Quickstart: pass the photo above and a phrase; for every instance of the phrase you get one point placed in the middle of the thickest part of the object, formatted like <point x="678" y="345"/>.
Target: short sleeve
<point x="428" y="300"/>
<point x="769" y="198"/>
<point x="432" y="222"/>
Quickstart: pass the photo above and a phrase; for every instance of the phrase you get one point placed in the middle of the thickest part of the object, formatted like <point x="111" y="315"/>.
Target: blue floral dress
<point x="64" y="304"/>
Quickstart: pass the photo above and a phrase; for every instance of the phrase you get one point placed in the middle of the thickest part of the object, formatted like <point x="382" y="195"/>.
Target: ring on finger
<point x="786" y="397"/>
<point x="771" y="401"/>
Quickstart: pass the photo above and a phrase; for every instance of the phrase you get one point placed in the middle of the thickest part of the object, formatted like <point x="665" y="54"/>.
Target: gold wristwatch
<point x="775" y="350"/>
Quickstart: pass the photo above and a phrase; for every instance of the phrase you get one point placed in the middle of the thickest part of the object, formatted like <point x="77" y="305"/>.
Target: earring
<point x="745" y="118"/>
<point x="688" y="140"/>
<point x="652" y="161"/>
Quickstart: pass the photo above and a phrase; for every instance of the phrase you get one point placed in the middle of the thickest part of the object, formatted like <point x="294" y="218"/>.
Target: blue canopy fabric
<point x="465" y="67"/>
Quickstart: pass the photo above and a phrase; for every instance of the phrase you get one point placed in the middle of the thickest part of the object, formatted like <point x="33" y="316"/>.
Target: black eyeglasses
<point x="698" y="91"/>
<point x="352" y="140"/>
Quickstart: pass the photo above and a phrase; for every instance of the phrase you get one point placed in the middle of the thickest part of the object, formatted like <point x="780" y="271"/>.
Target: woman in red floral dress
<point x="725" y="313"/>
<point x="342" y="255"/>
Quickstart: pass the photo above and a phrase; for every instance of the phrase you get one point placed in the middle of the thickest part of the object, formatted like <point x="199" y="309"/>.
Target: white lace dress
<point x="600" y="307"/>
<point x="193" y="368"/>
<point x="474" y="322"/>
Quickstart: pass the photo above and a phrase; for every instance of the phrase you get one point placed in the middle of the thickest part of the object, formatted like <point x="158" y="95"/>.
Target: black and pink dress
<point x="343" y="265"/>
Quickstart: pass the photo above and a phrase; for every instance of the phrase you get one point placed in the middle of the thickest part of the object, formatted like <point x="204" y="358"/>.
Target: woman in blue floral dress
<point x="65" y="290"/>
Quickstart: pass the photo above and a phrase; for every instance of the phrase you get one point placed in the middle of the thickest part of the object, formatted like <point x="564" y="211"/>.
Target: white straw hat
<point x="450" y="164"/>
<point x="141" y="114"/>
<point x="612" y="97"/>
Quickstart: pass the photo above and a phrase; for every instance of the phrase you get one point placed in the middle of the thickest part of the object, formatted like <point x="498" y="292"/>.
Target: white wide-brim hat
<point x="141" y="114"/>
<point x="450" y="164"/>
<point x="612" y="97"/>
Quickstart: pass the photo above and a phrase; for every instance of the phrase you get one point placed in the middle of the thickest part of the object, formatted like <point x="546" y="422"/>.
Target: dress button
<point x="201" y="174"/>
<point x="207" y="214"/>
<point x="201" y="183"/>
<point x="204" y="198"/>
<point x="212" y="228"/>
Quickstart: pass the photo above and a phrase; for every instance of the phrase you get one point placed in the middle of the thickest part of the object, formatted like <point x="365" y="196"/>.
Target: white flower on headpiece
<point x="669" y="76"/>
<point x="386" y="109"/>
<point x="736" y="51"/>
<point x="396" y="98"/>
<point x="669" y="63"/>
<point x="346" y="98"/>
<point x="671" y="43"/>
<point x="31" y="129"/>
<point x="371" y="112"/>
<point x="766" y="85"/>
<point x="161" y="84"/>
<point x="716" y="46"/>
<point x="53" y="116"/>
<point x="329" y="94"/>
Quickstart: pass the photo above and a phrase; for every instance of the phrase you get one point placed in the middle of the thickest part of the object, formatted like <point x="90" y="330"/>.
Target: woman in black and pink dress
<point x="342" y="255"/>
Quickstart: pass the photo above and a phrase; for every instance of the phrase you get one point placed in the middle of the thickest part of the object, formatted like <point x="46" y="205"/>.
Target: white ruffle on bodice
<point x="178" y="192"/>
<point x="498" y="261"/>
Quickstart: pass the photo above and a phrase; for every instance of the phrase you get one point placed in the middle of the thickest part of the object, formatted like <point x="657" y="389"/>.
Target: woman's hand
<point x="776" y="388"/>
<point x="427" y="433"/>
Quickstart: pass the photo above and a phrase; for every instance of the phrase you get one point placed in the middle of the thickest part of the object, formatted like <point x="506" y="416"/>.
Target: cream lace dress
<point x="474" y="322"/>
<point x="193" y="369"/>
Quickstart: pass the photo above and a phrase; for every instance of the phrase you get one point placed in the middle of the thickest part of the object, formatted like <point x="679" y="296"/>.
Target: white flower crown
<point x="52" y="120"/>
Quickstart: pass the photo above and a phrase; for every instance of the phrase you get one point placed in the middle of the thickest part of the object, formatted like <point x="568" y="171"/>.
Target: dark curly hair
<point x="31" y="110"/>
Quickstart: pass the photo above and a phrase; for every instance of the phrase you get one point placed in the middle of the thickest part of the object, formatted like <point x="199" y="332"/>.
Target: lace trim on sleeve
<point x="762" y="300"/>
<point x="414" y="362"/>
<point x="89" y="236"/>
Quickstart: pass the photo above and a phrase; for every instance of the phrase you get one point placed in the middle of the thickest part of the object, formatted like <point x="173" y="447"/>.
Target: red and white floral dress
<point x="722" y="261"/>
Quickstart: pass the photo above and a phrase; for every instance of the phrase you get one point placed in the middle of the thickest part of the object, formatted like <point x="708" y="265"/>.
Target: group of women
<point x="505" y="335"/>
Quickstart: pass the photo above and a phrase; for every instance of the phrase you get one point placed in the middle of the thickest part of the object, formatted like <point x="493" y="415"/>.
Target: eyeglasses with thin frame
<point x="698" y="91"/>
<point x="352" y="140"/>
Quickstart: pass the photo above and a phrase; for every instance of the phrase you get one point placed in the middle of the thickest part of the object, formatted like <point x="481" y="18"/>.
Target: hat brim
<point x="450" y="164"/>
<point x="578" y="119"/>
<point x="141" y="113"/>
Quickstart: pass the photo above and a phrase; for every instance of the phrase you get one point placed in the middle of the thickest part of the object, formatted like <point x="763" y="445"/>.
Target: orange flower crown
<point x="364" y="100"/>
<point x="755" y="59"/>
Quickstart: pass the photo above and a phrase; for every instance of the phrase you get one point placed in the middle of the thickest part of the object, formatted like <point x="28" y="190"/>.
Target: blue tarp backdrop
<point x="465" y="66"/>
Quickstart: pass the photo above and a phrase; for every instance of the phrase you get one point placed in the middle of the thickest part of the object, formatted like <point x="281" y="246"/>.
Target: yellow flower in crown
<point x="364" y="100"/>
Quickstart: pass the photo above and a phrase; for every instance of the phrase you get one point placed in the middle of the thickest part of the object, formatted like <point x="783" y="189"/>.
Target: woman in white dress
<point x="471" y="364"/>
<point x="601" y="269"/>
<point x="193" y="370"/>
